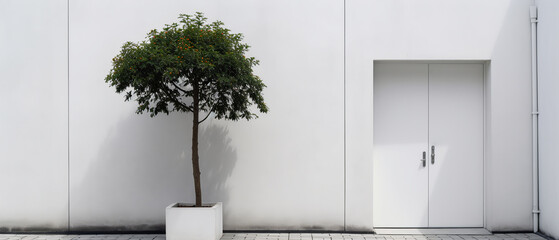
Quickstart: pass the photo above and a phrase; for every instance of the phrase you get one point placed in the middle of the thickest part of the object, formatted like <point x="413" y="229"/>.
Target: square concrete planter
<point x="194" y="223"/>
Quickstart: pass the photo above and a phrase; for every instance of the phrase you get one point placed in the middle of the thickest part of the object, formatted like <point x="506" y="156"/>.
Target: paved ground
<point x="281" y="236"/>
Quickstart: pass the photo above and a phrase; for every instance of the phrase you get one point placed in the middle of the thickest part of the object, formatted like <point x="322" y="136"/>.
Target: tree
<point x="192" y="66"/>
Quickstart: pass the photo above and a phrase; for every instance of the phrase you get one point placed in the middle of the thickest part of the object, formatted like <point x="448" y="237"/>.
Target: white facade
<point x="548" y="57"/>
<point x="498" y="31"/>
<point x="34" y="122"/>
<point x="264" y="171"/>
<point x="76" y="157"/>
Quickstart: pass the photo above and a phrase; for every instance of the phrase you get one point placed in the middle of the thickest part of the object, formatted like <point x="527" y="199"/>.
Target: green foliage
<point x="163" y="72"/>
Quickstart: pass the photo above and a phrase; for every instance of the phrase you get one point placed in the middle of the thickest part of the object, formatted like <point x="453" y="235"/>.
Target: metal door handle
<point x="424" y="160"/>
<point x="433" y="154"/>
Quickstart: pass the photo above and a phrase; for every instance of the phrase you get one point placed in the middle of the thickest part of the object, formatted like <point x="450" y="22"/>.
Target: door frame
<point x="486" y="110"/>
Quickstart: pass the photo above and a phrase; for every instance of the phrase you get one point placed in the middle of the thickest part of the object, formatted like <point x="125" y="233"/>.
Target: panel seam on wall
<point x="68" y="102"/>
<point x="484" y="142"/>
<point x="345" y="132"/>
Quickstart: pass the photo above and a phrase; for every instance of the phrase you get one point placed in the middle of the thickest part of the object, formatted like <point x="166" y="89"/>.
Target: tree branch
<point x="179" y="88"/>
<point x="209" y="112"/>
<point x="174" y="101"/>
<point x="182" y="104"/>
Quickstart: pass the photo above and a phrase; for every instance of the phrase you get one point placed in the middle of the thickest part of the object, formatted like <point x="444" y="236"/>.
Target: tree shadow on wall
<point x="143" y="166"/>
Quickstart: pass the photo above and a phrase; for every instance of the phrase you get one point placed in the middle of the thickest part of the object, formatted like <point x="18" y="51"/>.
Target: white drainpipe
<point x="535" y="151"/>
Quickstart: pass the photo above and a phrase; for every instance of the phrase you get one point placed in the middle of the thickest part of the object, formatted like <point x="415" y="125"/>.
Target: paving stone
<point x="382" y="235"/>
<point x="511" y="235"/>
<point x="320" y="235"/>
<point x="535" y="236"/>
<point x="281" y="236"/>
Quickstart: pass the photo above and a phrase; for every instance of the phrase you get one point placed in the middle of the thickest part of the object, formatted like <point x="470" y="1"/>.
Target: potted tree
<point x="190" y="66"/>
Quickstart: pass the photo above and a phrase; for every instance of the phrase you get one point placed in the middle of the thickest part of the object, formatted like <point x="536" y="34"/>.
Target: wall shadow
<point x="217" y="160"/>
<point x="143" y="166"/>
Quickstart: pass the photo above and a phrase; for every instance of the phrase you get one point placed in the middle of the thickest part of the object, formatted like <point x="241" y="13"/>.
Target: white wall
<point x="445" y="30"/>
<point x="287" y="169"/>
<point x="281" y="171"/>
<point x="33" y="122"/>
<point x="548" y="57"/>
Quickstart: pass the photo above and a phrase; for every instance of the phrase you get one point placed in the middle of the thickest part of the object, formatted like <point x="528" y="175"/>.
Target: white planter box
<point x="194" y="223"/>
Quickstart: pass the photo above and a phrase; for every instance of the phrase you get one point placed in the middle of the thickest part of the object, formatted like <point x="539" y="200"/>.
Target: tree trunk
<point x="195" y="159"/>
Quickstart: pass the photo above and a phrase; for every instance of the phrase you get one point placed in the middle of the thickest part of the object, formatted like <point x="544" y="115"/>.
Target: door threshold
<point x="468" y="231"/>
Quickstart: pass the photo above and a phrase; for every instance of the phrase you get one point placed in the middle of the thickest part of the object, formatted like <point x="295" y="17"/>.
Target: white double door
<point x="428" y="145"/>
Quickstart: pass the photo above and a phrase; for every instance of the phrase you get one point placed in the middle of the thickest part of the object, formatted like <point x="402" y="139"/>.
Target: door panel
<point x="400" y="136"/>
<point x="417" y="106"/>
<point x="456" y="131"/>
